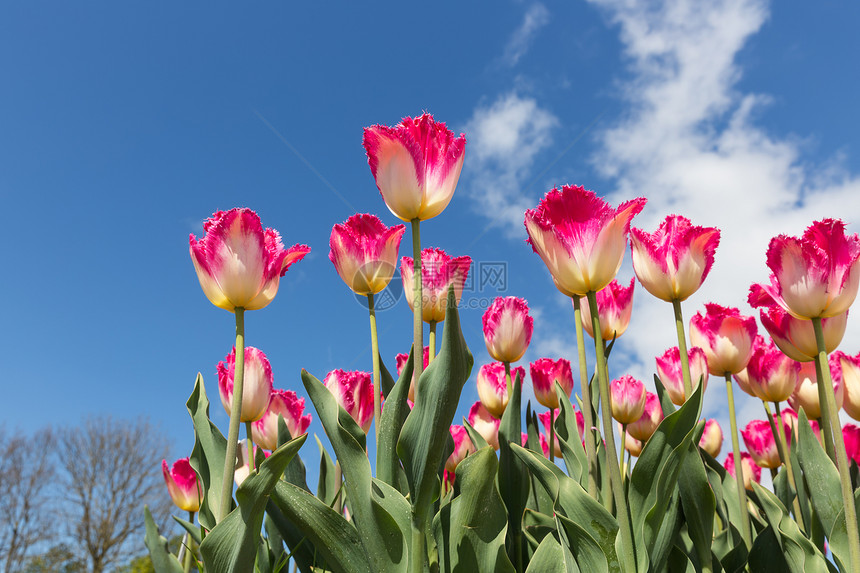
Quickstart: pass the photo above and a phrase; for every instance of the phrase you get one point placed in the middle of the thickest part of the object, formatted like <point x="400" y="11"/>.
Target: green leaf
<point x="589" y="556"/>
<point x="192" y="529"/>
<point x="391" y="421"/>
<point x="567" y="433"/>
<point x="665" y="401"/>
<point x="698" y="502"/>
<point x="425" y="432"/>
<point x="839" y="534"/>
<point x="538" y="498"/>
<point x="231" y="546"/>
<point x="477" y="439"/>
<point x="385" y="541"/>
<point x="385" y="378"/>
<point x="548" y="558"/>
<point x="470" y="531"/>
<point x="162" y="560"/>
<point x="295" y="472"/>
<point x="513" y="477"/>
<point x="326" y="486"/>
<point x="207" y="457"/>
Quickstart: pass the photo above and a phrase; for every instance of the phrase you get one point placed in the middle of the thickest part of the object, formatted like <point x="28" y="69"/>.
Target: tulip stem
<point x="623" y="449"/>
<point x="682" y="348"/>
<point x="417" y="557"/>
<point x="552" y="435"/>
<point x="432" y="343"/>
<point x="250" y="439"/>
<point x="824" y="412"/>
<point x="374" y="348"/>
<point x="509" y="385"/>
<point x="839" y="445"/>
<point x="586" y="400"/>
<point x="628" y="551"/>
<point x="739" y="467"/>
<point x="782" y="448"/>
<point x="186" y="542"/>
<point x="235" y="415"/>
<point x="417" y="306"/>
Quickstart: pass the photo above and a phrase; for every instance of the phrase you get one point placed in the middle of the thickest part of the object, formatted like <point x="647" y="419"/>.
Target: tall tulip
<point x="751" y="472"/>
<point x="183" y="485"/>
<point x="287" y="404"/>
<point x="257" y="387"/>
<point x="849" y="371"/>
<point x="493" y="387"/>
<point x="507" y="328"/>
<point x="484" y="423"/>
<point x="712" y="438"/>
<point x="354" y="392"/>
<point x="670" y="372"/>
<point x="614" y="306"/>
<point x="545" y="372"/>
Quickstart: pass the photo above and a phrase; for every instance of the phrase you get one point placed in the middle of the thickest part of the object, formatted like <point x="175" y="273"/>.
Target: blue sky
<point x="125" y="125"/>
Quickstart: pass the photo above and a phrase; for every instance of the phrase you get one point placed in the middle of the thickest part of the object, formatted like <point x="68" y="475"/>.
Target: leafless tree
<point x="26" y="473"/>
<point x="109" y="469"/>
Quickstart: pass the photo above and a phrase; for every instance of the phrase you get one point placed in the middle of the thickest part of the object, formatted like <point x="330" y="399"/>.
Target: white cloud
<point x="536" y="17"/>
<point x="504" y="139"/>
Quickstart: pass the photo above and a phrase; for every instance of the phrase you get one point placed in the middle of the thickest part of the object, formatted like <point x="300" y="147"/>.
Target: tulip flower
<point x="761" y="444"/>
<point x="485" y="424"/>
<point x="806" y="392"/>
<point x="183" y="484"/>
<point x="462" y="447"/>
<point x="416" y="165"/>
<point x="257" y="387"/>
<point x="851" y="437"/>
<point x="712" y="438"/>
<point x="364" y="252"/>
<point x="238" y="263"/>
<point x="614" y="305"/>
<point x="580" y="237"/>
<point x="545" y="372"/>
<point x="633" y="445"/>
<point x="401" y="359"/>
<point x="772" y="376"/>
<point x="283" y="403"/>
<point x="438" y="272"/>
<point x="672" y="262"/>
<point x="493" y="386"/>
<point x="796" y="337"/>
<point x="643" y="428"/>
<point x="726" y="336"/>
<point x="354" y="392"/>
<point x="750" y="470"/>
<point x="814" y="276"/>
<point x="670" y="374"/>
<point x="627" y="399"/>
<point x="507" y="328"/>
<point x="849" y="372"/>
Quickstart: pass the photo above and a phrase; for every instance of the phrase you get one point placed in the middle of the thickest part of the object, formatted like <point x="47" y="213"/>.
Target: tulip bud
<point x="614" y="306"/>
<point x="287" y="404"/>
<point x="806" y="392"/>
<point x="257" y="385"/>
<point x="364" y="252"/>
<point x="545" y="372"/>
<point x="633" y="445"/>
<point x="183" y="485"/>
<point x="354" y="392"/>
<point x="507" y="328"/>
<point x="643" y="428"/>
<point x="627" y="398"/>
<point x="772" y="375"/>
<point x="712" y="438"/>
<point x="493" y="386"/>
<point x="750" y="469"/>
<point x="670" y="373"/>
<point x="726" y="336"/>
<point x="485" y="424"/>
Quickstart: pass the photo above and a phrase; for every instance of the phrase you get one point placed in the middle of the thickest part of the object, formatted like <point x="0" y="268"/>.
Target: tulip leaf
<point x="384" y="540"/>
<point x="839" y="536"/>
<point x="537" y="525"/>
<point x="665" y="401"/>
<point x="538" y="498"/>
<point x="477" y="439"/>
<point x="589" y="557"/>
<point x="295" y="472"/>
<point x="231" y="546"/>
<point x="513" y="484"/>
<point x="391" y="421"/>
<point x="426" y="429"/>
<point x="567" y="433"/>
<point x="336" y="540"/>
<point x="386" y="381"/>
<point x="193" y="530"/>
<point x="207" y="457"/>
<point x="470" y="531"/>
<point x="698" y="502"/>
<point x="548" y="558"/>
<point x="326" y="486"/>
<point x="162" y="560"/>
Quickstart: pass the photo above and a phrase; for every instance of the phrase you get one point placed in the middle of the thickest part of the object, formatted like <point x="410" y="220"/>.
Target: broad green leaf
<point x="589" y="557"/>
<point x="385" y="542"/>
<point x="655" y="557"/>
<point x="567" y="433"/>
<point x="162" y="560"/>
<point x="192" y="529"/>
<point x="513" y="476"/>
<point x="231" y="546"/>
<point x="698" y="502"/>
<point x="470" y="531"/>
<point x="839" y="535"/>
<point x="207" y="457"/>
<point x="295" y="472"/>
<point x="665" y="401"/>
<point x="477" y="439"/>
<point x="539" y="500"/>
<point x="393" y="415"/>
<point x="548" y="557"/>
<point x="301" y="548"/>
<point x="326" y="486"/>
<point x="425" y="432"/>
<point x="385" y="379"/>
<point x="537" y="524"/>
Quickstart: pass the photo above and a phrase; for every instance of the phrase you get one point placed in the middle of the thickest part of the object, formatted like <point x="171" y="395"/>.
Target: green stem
<point x="782" y="447"/>
<point x="623" y="449"/>
<point x="186" y="562"/>
<point x="250" y="440"/>
<point x="417" y="556"/>
<point x="552" y="435"/>
<point x="746" y="533"/>
<point x="338" y="478"/>
<point x="824" y="416"/>
<point x="682" y="347"/>
<point x="628" y="552"/>
<point x="432" y="342"/>
<point x="508" y="381"/>
<point x="839" y="445"/>
<point x="586" y="400"/>
<point x="374" y="349"/>
<point x="235" y="414"/>
<point x="417" y="306"/>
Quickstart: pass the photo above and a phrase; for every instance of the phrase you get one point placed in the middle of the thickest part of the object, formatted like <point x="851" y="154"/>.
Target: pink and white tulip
<point x="545" y="372"/>
<point x="712" y="438"/>
<point x="485" y="424"/>
<point x="462" y="447"/>
<point x="438" y="273"/>
<point x="851" y="437"/>
<point x="643" y="428"/>
<point x="282" y="403"/>
<point x="507" y="328"/>
<point x="849" y="368"/>
<point x="633" y="445"/>
<point x="627" y="399"/>
<point x="257" y="385"/>
<point x="416" y="165"/>
<point x="183" y="485"/>
<point x="580" y="237"/>
<point x="354" y="392"/>
<point x="364" y="252"/>
<point x="493" y="386"/>
<point x="726" y="336"/>
<point x="239" y="264"/>
<point x="761" y="444"/>
<point x="614" y="306"/>
<point x="806" y="392"/>
<point x="815" y="275"/>
<point x="673" y="262"/>
<point x="751" y="472"/>
<point x="794" y="336"/>
<point x="670" y="374"/>
<point x="772" y="376"/>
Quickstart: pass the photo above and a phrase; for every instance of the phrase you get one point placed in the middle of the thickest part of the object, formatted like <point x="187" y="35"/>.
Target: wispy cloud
<point x="536" y="17"/>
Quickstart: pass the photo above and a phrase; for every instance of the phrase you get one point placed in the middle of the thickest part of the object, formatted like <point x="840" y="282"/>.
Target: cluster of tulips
<point x="487" y="495"/>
